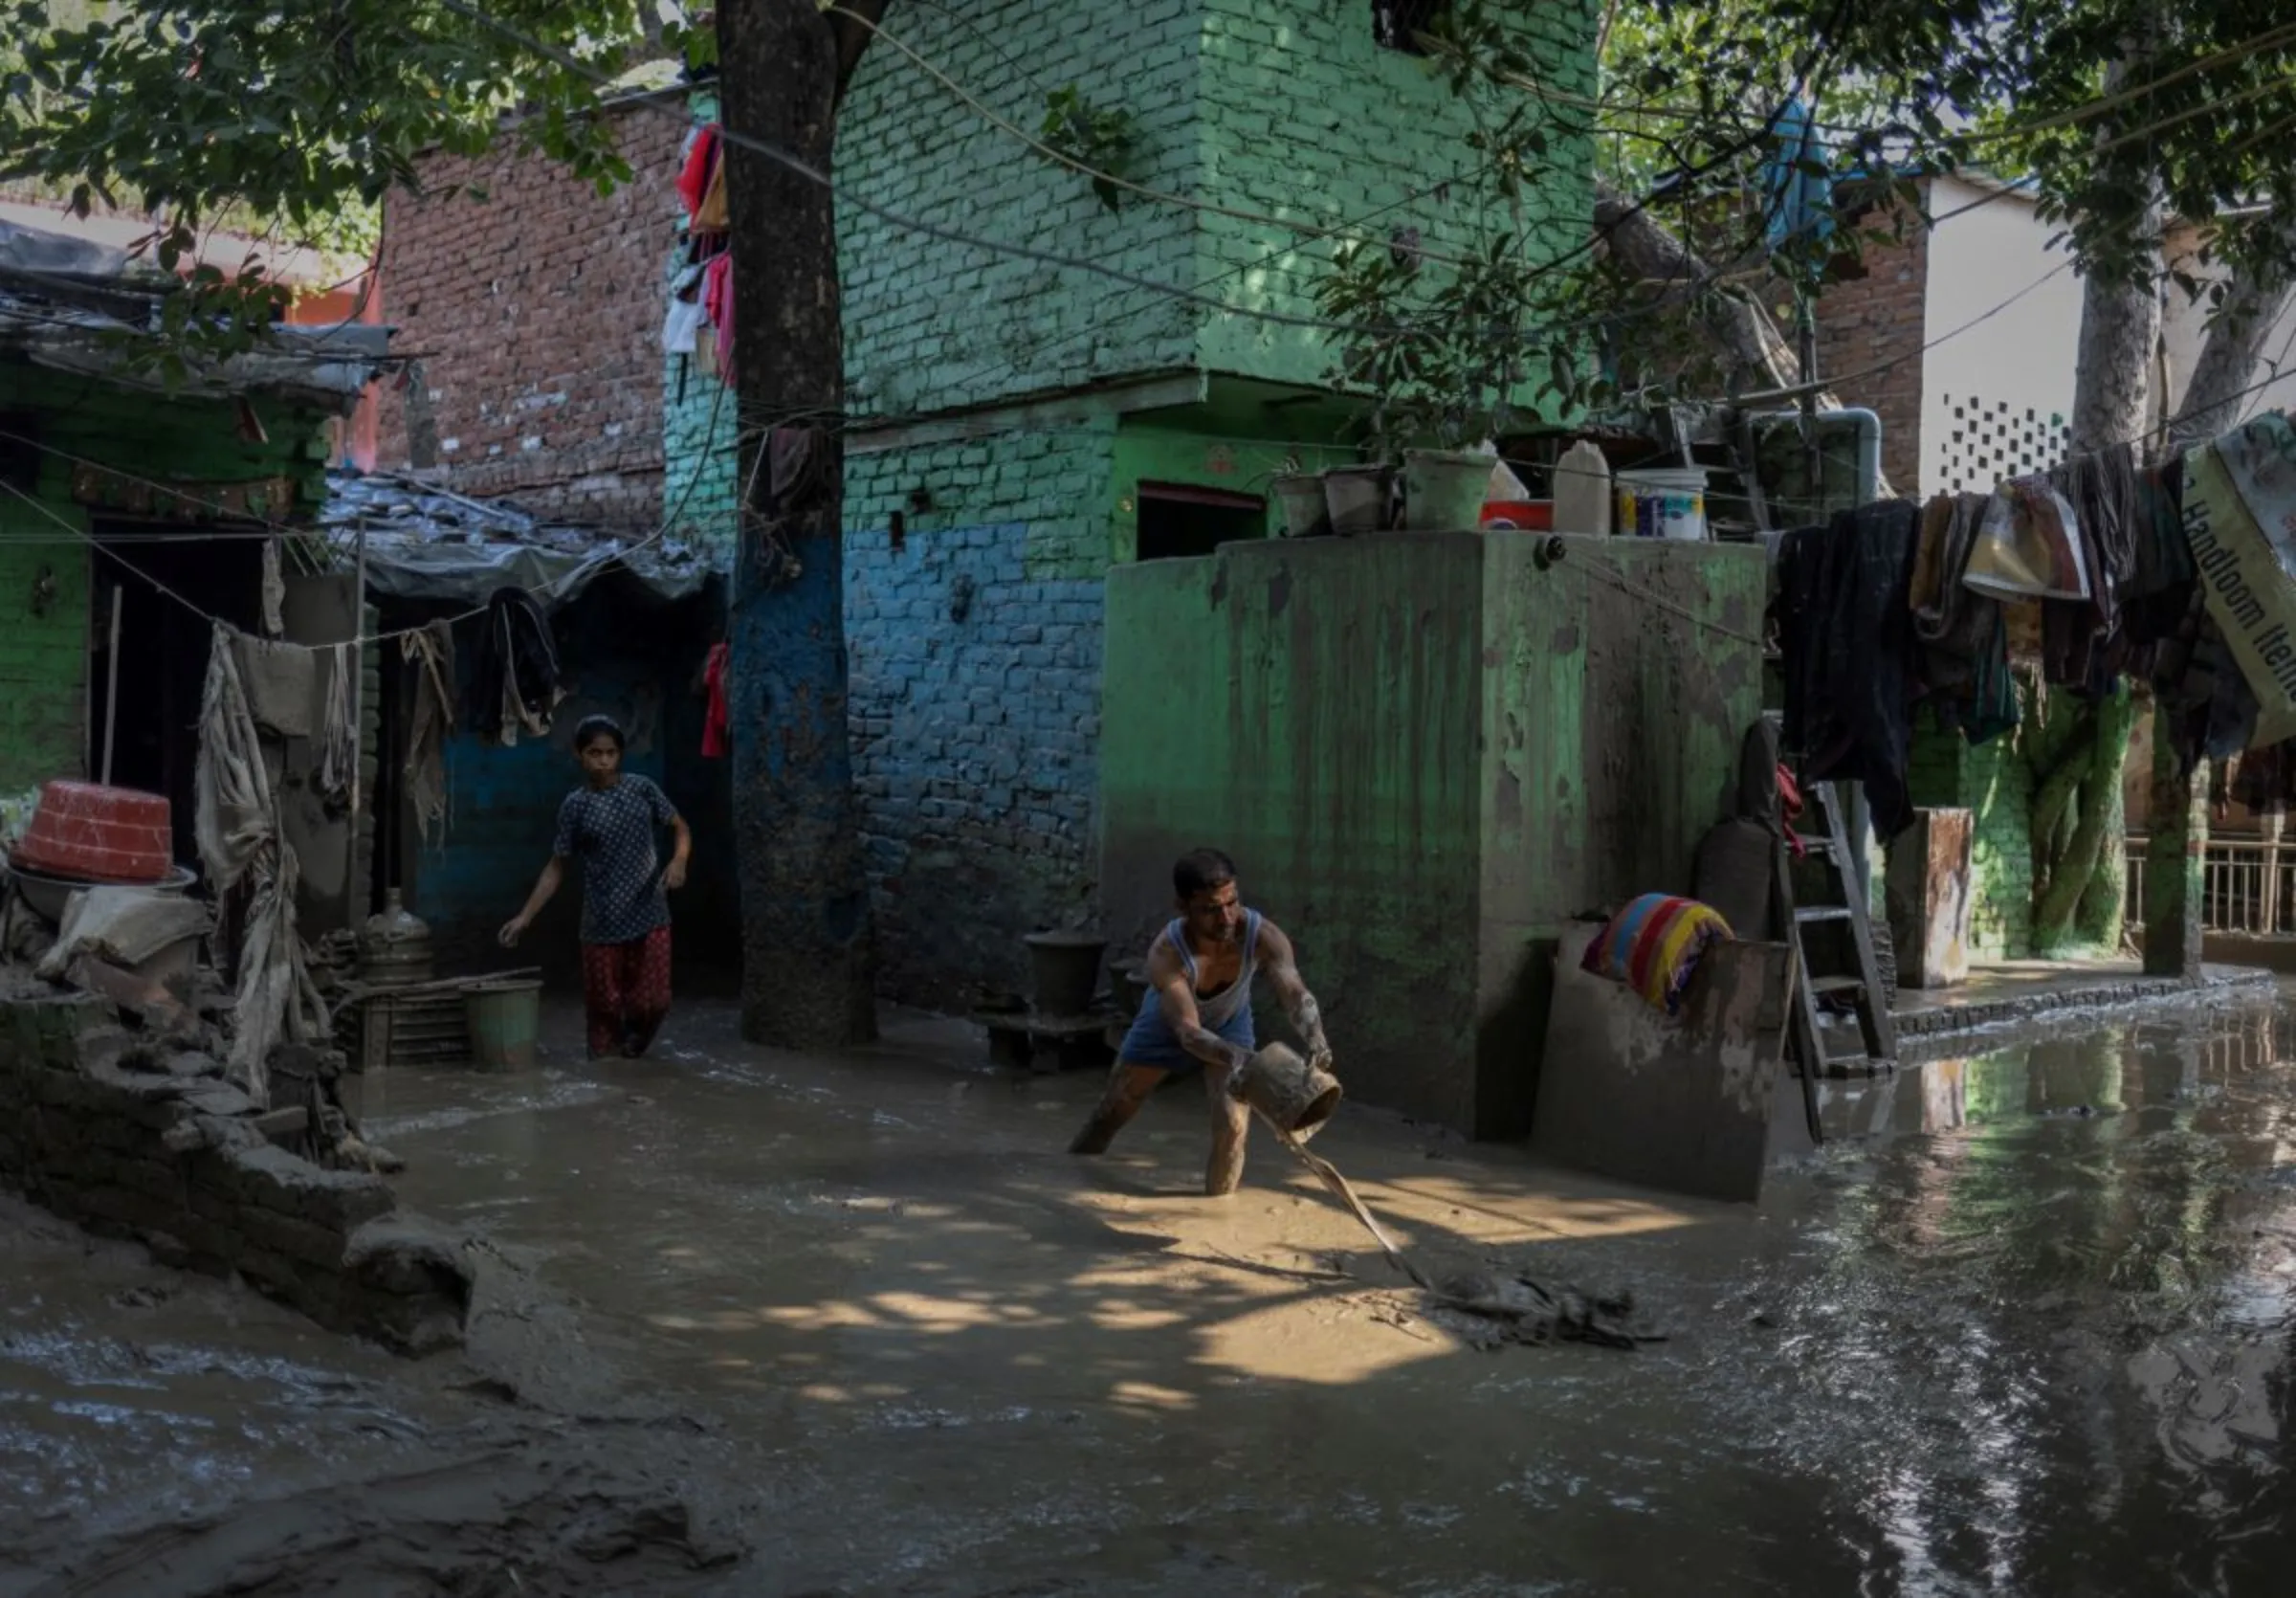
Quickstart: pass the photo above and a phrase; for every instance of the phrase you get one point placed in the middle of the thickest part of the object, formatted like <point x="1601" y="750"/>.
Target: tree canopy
<point x="296" y="113"/>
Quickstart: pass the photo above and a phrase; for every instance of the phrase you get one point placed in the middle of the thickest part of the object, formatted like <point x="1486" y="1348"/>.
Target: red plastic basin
<point x="1529" y="516"/>
<point x="100" y="834"/>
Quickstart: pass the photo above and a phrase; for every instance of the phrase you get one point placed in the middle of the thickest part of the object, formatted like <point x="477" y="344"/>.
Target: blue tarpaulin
<point x="1801" y="201"/>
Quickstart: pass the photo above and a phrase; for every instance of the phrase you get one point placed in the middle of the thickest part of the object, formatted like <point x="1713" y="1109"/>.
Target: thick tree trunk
<point x="2113" y="404"/>
<point x="2112" y="375"/>
<point x="806" y="974"/>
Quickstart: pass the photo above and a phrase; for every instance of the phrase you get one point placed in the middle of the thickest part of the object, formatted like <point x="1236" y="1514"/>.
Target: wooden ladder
<point x="1816" y="978"/>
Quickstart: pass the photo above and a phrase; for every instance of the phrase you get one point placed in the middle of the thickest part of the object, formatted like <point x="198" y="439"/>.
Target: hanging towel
<point x="432" y="651"/>
<point x="338" y="775"/>
<point x="237" y="825"/>
<point x="716" y="743"/>
<point x="514" y="676"/>
<point x="282" y="682"/>
<point x="718" y="303"/>
<point x="701" y="163"/>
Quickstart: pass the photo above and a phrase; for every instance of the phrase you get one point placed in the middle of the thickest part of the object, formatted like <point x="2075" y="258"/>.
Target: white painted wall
<point x="1997" y="387"/>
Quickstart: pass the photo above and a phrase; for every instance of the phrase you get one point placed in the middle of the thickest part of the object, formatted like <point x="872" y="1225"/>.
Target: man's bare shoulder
<point x="1275" y="948"/>
<point x="1164" y="961"/>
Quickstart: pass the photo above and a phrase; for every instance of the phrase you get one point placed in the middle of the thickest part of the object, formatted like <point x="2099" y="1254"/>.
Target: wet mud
<point x="755" y="1323"/>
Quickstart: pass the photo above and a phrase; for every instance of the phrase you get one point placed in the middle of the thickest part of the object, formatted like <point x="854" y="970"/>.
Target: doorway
<point x="163" y="649"/>
<point x="1177" y="520"/>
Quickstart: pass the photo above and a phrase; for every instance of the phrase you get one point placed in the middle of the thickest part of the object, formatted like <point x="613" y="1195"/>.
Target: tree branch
<point x="2253" y="303"/>
<point x="1743" y="329"/>
<point x="852" y="24"/>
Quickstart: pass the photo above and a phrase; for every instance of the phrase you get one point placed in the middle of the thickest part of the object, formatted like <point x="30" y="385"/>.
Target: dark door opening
<point x="164" y="649"/>
<point x="1177" y="520"/>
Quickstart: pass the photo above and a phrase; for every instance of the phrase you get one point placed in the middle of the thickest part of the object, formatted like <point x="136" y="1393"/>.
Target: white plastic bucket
<point x="1662" y="503"/>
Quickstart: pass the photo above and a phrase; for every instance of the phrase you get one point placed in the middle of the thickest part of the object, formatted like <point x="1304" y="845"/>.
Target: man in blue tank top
<point x="1197" y="1010"/>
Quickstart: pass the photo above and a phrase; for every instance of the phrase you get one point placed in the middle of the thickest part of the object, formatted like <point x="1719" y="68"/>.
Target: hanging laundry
<point x="1959" y="628"/>
<point x="281" y="684"/>
<point x="237" y="821"/>
<point x="2081" y="647"/>
<point x="2102" y="488"/>
<point x="2199" y="689"/>
<point x="432" y="651"/>
<point x="338" y="775"/>
<point x="700" y="166"/>
<point x="2160" y="588"/>
<point x="716" y="743"/>
<point x="718" y="305"/>
<point x="711" y="215"/>
<point x="1846" y="632"/>
<point x="515" y="677"/>
<point x="2239" y="520"/>
<point x="2028" y="546"/>
<point x="682" y="322"/>
<point x="274" y="588"/>
<point x="2264" y="780"/>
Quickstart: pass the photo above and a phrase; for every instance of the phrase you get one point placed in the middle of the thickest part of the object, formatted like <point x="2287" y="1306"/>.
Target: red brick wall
<point x="535" y="314"/>
<point x="1878" y="322"/>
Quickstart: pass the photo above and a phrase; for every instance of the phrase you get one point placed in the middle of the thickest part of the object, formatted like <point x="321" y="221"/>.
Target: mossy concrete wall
<point x="1427" y="753"/>
<point x="1995" y="783"/>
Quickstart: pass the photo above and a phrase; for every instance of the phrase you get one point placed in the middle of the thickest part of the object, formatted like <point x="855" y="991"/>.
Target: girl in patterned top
<point x="609" y="824"/>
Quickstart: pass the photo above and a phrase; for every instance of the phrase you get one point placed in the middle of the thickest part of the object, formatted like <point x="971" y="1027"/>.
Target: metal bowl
<point x="47" y="894"/>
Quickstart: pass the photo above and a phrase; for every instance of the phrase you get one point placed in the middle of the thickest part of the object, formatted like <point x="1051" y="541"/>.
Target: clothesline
<point x="2099" y="572"/>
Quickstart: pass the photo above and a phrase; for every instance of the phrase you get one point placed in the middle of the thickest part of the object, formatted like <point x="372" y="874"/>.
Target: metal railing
<point x="2247" y="885"/>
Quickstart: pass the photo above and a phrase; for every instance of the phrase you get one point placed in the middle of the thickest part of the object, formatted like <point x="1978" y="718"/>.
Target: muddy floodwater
<point x="760" y="1324"/>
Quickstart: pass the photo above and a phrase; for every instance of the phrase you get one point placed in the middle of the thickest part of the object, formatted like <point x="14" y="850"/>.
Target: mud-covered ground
<point x="758" y="1325"/>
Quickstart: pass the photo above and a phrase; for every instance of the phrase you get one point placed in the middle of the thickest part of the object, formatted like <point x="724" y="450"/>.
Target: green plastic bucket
<point x="503" y="1018"/>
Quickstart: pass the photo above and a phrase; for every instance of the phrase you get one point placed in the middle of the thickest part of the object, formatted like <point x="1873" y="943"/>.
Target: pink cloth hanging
<point x="717" y="303"/>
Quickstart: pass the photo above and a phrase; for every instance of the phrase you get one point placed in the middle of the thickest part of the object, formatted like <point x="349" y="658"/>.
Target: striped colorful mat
<point x="1653" y="946"/>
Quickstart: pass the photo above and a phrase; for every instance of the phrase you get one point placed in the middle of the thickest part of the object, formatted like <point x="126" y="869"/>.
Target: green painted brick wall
<point x="44" y="645"/>
<point x="700" y="422"/>
<point x="1284" y="108"/>
<point x="931" y="325"/>
<point x="1307" y="118"/>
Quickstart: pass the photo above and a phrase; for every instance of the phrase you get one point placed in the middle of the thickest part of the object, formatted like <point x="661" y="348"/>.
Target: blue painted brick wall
<point x="974" y="739"/>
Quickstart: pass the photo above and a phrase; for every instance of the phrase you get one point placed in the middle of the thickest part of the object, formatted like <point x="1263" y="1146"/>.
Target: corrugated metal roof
<point x="73" y="305"/>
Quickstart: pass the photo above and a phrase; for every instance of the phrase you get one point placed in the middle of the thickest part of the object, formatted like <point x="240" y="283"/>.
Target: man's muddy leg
<point x="1231" y="1123"/>
<point x="1128" y="1089"/>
